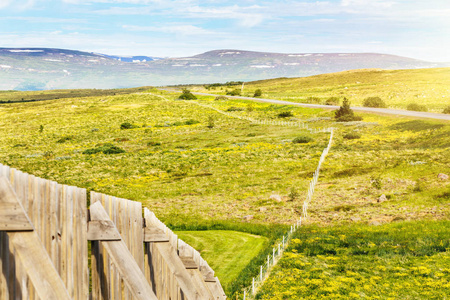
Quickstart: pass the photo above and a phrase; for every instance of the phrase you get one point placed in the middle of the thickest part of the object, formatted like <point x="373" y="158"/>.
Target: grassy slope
<point x="229" y="171"/>
<point x="227" y="252"/>
<point x="398" y="88"/>
<point x="409" y="260"/>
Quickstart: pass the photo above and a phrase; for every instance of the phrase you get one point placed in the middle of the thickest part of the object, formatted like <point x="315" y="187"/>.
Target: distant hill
<point x="43" y="68"/>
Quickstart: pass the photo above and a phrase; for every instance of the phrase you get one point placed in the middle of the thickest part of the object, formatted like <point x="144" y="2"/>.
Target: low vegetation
<point x="198" y="177"/>
<point x="374" y="102"/>
<point x="416" y="107"/>
<point x="397" y="88"/>
<point x="408" y="260"/>
<point x="187" y="95"/>
<point x="345" y="113"/>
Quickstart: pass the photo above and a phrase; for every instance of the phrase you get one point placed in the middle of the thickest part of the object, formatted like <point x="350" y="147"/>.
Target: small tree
<point x="210" y="122"/>
<point x="345" y="113"/>
<point x="187" y="95"/>
<point x="258" y="93"/>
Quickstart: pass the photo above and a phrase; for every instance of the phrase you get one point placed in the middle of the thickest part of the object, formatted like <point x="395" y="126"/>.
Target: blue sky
<point x="417" y="28"/>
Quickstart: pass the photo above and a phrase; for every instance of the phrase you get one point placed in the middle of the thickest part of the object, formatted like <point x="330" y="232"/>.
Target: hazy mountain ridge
<point x="44" y="68"/>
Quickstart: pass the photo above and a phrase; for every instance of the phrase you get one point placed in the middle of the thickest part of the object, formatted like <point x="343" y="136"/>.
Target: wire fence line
<point x="299" y="124"/>
<point x="264" y="270"/>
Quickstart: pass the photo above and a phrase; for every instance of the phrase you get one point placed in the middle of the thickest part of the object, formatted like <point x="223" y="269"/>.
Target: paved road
<point x="388" y="111"/>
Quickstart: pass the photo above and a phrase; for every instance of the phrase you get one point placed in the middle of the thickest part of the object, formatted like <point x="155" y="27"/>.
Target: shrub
<point x="293" y="194"/>
<point x="107" y="148"/>
<point x="235" y="92"/>
<point x="352" y="136"/>
<point x="285" y="114"/>
<point x="416" y="107"/>
<point x="313" y="100"/>
<point x="210" y="122"/>
<point x="65" y="139"/>
<point x="187" y="95"/>
<point x="191" y="122"/>
<point x="152" y="143"/>
<point x="258" y="93"/>
<point x="302" y="139"/>
<point x="127" y="125"/>
<point x="374" y="102"/>
<point x="220" y="98"/>
<point x="332" y="101"/>
<point x="234" y="108"/>
<point x="345" y="113"/>
<point x="446" y="110"/>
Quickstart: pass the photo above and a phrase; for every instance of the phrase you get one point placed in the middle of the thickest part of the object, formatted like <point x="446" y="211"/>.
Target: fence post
<point x="260" y="274"/>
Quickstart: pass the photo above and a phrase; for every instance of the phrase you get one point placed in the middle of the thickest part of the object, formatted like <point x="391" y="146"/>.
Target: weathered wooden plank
<point x="216" y="290"/>
<point x="199" y="284"/>
<point x="188" y="262"/>
<point x="100" y="230"/>
<point x="124" y="261"/>
<point x="176" y="267"/>
<point x="154" y="234"/>
<point x="38" y="265"/>
<point x="12" y="213"/>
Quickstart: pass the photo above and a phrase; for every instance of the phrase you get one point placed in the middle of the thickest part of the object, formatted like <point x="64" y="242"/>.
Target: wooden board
<point x="12" y="214"/>
<point x="59" y="215"/>
<point x="102" y="231"/>
<point x="38" y="266"/>
<point x="124" y="261"/>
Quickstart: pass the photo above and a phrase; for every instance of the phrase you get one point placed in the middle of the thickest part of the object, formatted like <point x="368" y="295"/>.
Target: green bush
<point x="352" y="136"/>
<point x="191" y="122"/>
<point x="65" y="139"/>
<point x="416" y="107"/>
<point x="127" y="125"/>
<point x="152" y="144"/>
<point x="187" y="95"/>
<point x="258" y="93"/>
<point x="313" y="100"/>
<point x="234" y="108"/>
<point x="302" y="139"/>
<point x="210" y="122"/>
<point x="285" y="114"/>
<point x="332" y="101"/>
<point x="446" y="110"/>
<point x="345" y="113"/>
<point x="220" y="98"/>
<point x="374" y="102"/>
<point x="235" y="92"/>
<point x="107" y="148"/>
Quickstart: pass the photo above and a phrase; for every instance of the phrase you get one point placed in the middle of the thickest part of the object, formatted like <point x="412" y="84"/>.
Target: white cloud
<point x="4" y="3"/>
<point x="17" y="4"/>
<point x="176" y="29"/>
<point x="246" y="16"/>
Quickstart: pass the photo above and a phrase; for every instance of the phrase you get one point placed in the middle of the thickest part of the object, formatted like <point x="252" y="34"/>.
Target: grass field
<point x="398" y="88"/>
<point x="199" y="169"/>
<point x="408" y="260"/>
<point x="228" y="251"/>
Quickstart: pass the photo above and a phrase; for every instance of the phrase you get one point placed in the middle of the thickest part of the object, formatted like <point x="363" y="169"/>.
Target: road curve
<point x="389" y="111"/>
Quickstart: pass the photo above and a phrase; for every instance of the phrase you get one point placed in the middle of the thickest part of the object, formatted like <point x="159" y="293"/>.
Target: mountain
<point x="44" y="68"/>
<point x="132" y="59"/>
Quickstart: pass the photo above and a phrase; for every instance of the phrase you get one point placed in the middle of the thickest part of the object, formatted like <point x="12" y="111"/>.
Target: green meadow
<point x="397" y="88"/>
<point x="232" y="188"/>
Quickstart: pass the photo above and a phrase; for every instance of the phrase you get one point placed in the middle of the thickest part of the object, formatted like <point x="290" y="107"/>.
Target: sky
<point x="176" y="28"/>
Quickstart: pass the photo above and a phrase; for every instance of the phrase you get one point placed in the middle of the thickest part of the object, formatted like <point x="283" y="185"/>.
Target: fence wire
<point x="250" y="291"/>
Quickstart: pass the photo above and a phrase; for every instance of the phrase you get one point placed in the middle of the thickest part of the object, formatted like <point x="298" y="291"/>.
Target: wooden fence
<point x="46" y="229"/>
